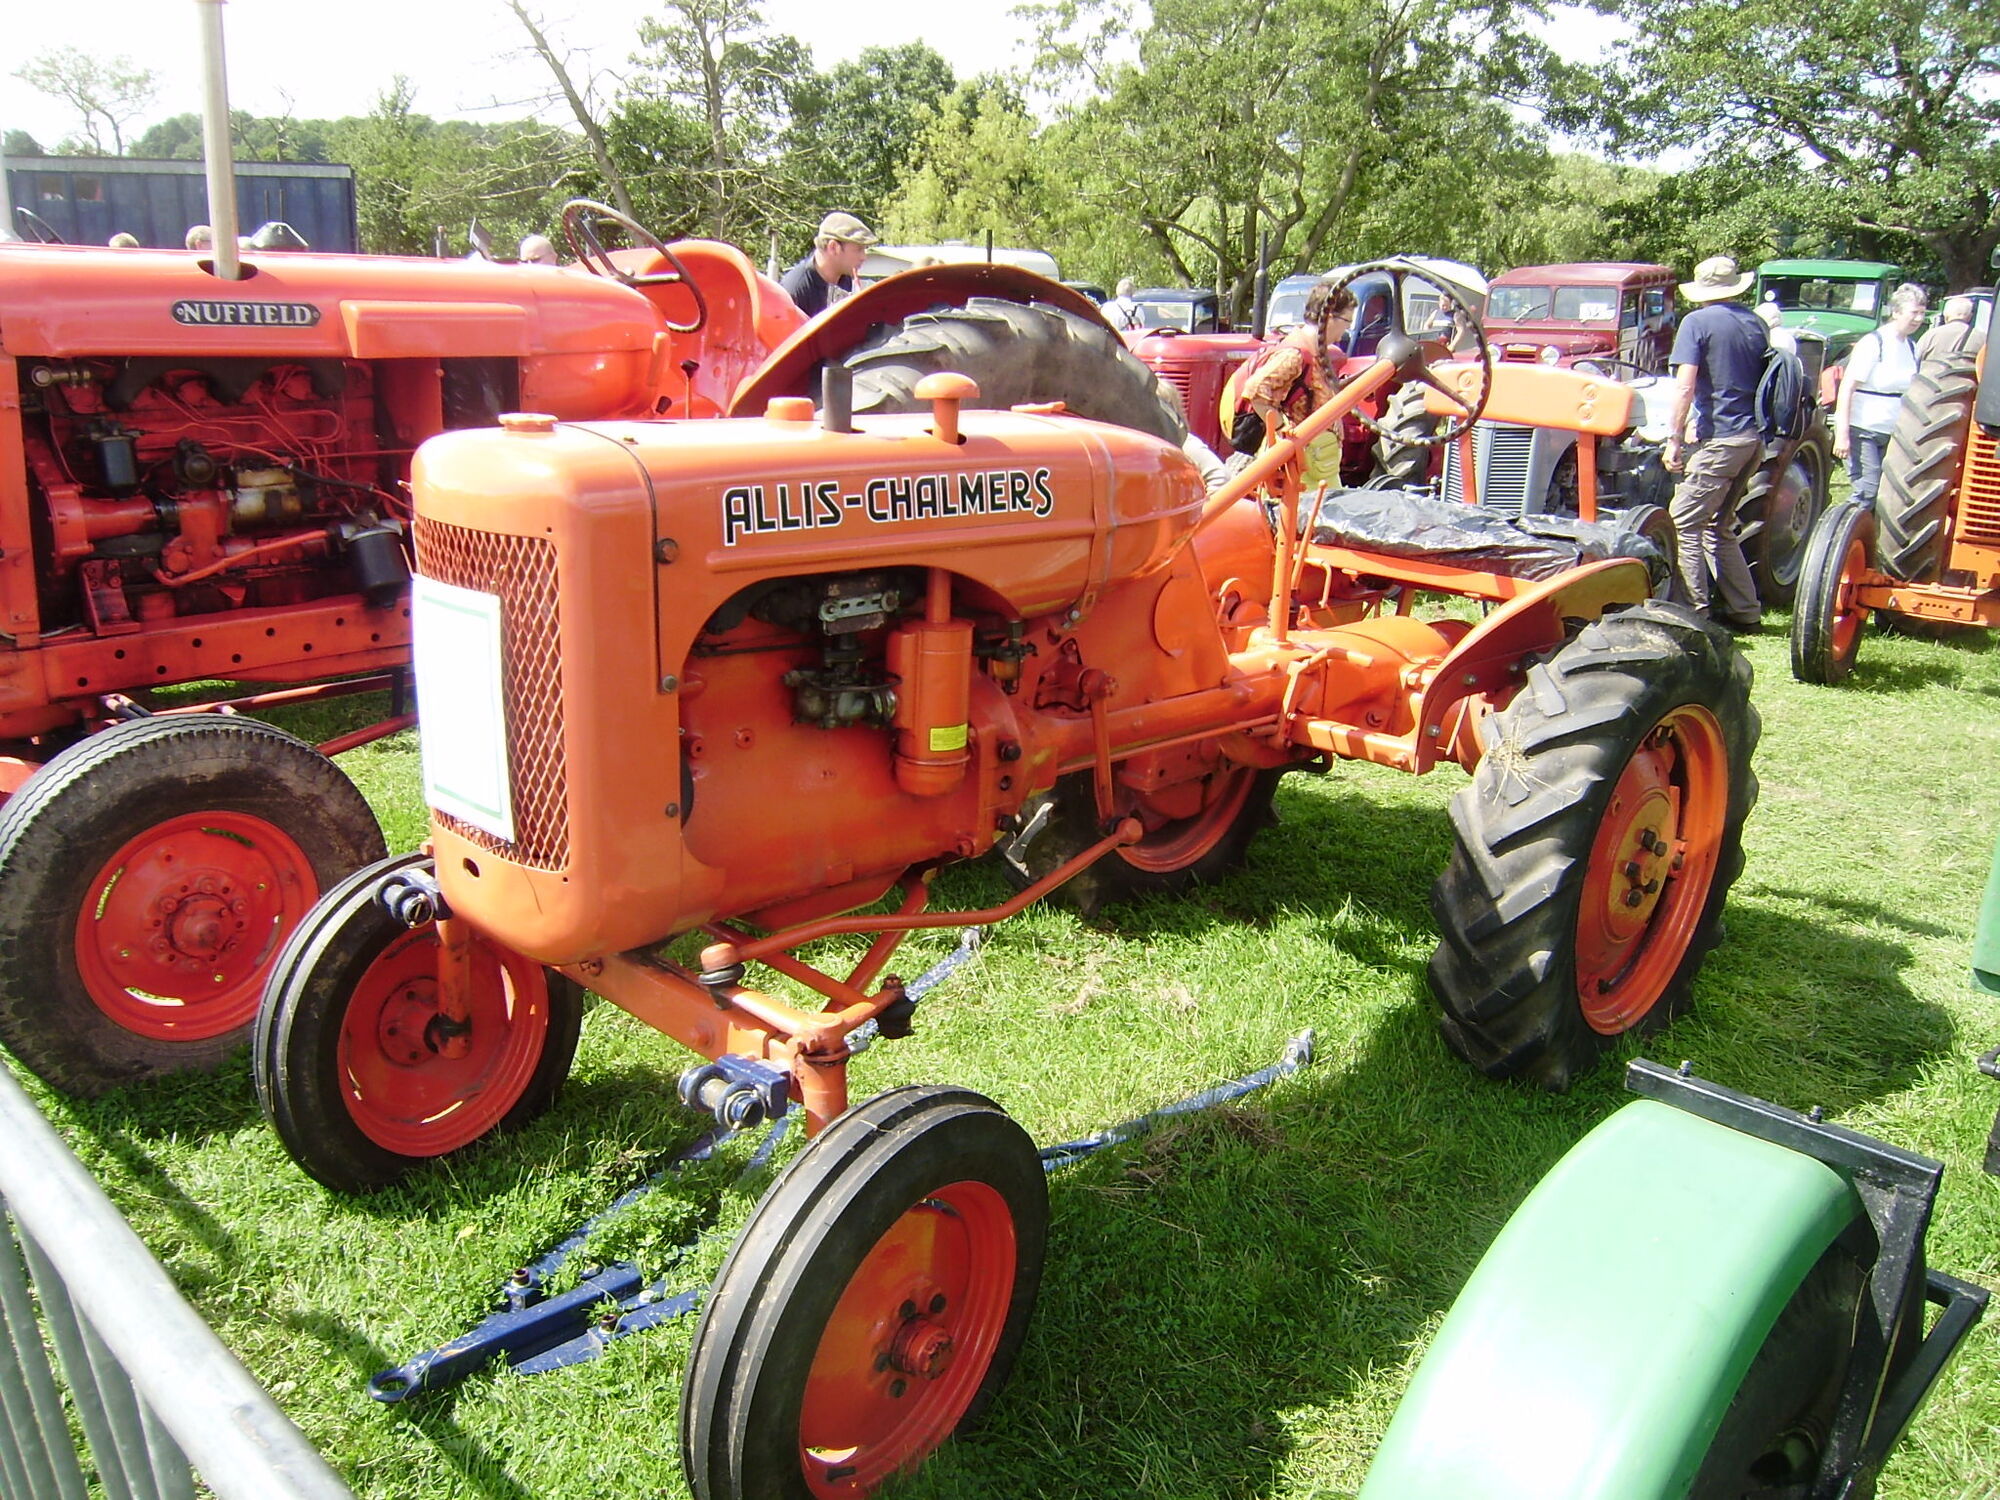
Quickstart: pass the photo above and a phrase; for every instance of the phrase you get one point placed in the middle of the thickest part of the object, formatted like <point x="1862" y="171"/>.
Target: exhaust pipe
<point x="216" y="150"/>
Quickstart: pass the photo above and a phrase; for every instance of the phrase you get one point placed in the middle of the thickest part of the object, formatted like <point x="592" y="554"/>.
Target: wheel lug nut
<point x="1633" y="870"/>
<point x="1633" y="898"/>
<point x="897" y="1387"/>
<point x="937" y="1303"/>
<point x="908" y="1311"/>
<point x="881" y="1363"/>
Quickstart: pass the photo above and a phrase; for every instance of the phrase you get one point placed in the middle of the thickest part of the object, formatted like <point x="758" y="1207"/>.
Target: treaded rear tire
<point x="1921" y="467"/>
<point x="1777" y="556"/>
<point x="1509" y="970"/>
<point x="1017" y="352"/>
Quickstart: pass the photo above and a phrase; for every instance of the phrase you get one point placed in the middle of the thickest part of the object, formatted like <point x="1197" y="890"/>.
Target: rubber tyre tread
<point x="1815" y="657"/>
<point x="733" y="1446"/>
<point x="1777" y="577"/>
<point x="1920" y="470"/>
<point x="294" y="1045"/>
<point x="1504" y="973"/>
<point x="1017" y="353"/>
<point x="75" y="812"/>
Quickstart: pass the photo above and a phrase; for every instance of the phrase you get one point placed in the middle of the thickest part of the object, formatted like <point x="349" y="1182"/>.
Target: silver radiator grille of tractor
<point x="1503" y="454"/>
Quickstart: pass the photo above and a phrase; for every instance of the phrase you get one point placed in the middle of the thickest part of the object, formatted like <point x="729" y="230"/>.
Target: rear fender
<point x="841" y="328"/>
<point x="1600" y="1340"/>
<point x="1490" y="663"/>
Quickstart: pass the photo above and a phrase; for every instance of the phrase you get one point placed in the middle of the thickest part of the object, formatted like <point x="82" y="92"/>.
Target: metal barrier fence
<point x="151" y="1390"/>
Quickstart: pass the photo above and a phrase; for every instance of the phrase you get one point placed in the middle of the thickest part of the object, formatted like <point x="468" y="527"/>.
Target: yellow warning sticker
<point x="948" y="737"/>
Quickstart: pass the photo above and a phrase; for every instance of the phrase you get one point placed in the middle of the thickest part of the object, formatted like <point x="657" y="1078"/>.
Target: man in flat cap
<point x="827" y="275"/>
<point x="1718" y="360"/>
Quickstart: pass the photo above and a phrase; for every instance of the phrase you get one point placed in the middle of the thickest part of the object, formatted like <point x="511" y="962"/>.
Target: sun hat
<point x="1715" y="279"/>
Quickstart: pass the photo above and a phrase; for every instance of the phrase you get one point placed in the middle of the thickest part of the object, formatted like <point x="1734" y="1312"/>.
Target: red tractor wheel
<point x="357" y="1069"/>
<point x="872" y="1306"/>
<point x="1196" y="832"/>
<point x="1595" y="846"/>
<point x="1826" y="619"/>
<point x="148" y="877"/>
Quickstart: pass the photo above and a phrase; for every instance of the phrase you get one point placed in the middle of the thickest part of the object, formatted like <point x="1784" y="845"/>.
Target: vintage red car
<point x="1619" y="311"/>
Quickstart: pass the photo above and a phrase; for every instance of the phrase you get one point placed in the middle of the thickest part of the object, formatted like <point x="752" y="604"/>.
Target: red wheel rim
<point x="179" y="928"/>
<point x="1848" y="616"/>
<point x="1185" y="822"/>
<point x="910" y="1341"/>
<point x="1652" y="866"/>
<point x="405" y="1088"/>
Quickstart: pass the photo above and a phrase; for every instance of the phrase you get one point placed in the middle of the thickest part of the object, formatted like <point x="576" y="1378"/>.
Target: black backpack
<point x="1785" y="398"/>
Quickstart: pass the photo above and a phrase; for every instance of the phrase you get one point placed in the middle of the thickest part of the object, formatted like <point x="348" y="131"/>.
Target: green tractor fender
<point x="1601" y="1341"/>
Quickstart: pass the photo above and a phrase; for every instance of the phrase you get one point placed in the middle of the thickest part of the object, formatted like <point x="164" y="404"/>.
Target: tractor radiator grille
<point x="1181" y="382"/>
<point x="1505" y="452"/>
<point x="1979" y="499"/>
<point x="522" y="571"/>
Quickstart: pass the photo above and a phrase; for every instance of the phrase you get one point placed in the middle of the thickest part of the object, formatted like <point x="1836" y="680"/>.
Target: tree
<point x="19" y="143"/>
<point x="1842" y="116"/>
<point x="1245" y="119"/>
<point x="105" y="94"/>
<point x="855" y="131"/>
<point x="578" y="102"/>
<point x="716" y="60"/>
<point x="979" y="171"/>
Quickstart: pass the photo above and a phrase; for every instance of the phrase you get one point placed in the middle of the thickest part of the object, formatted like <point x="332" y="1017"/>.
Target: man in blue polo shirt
<point x="1718" y="360"/>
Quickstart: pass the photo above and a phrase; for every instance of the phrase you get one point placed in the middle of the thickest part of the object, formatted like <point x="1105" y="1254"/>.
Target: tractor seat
<point x="1403" y="523"/>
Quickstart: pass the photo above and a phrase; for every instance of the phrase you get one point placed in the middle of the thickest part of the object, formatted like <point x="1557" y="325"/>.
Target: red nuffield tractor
<point x="202" y="479"/>
<point x="697" y="693"/>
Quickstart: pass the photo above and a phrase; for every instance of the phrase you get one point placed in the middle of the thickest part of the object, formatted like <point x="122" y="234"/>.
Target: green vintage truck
<point x="1839" y="300"/>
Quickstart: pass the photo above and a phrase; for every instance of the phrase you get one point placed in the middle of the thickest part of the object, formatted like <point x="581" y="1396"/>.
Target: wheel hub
<point x="921" y="1347"/>
<point x="404" y="1028"/>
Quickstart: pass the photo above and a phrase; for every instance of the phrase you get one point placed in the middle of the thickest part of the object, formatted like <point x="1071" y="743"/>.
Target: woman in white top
<point x="1871" y="393"/>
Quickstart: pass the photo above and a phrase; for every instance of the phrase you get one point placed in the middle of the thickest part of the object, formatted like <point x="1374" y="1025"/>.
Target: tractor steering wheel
<point x="581" y="220"/>
<point x="1461" y="421"/>
<point x="36" y="225"/>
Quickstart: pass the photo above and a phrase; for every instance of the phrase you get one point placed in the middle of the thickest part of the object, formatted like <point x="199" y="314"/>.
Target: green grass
<point x="1233" y="1306"/>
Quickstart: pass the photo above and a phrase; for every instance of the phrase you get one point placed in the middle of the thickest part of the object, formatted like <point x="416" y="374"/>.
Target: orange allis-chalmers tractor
<point x="696" y="692"/>
<point x="206" y="479"/>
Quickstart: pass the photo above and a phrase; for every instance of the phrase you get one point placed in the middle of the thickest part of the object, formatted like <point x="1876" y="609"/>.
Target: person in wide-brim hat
<point x="1715" y="279"/>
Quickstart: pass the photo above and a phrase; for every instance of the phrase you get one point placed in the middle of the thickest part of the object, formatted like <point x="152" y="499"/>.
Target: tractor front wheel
<point x="359" y="1070"/>
<point x="1778" y="511"/>
<point x="148" y="877"/>
<point x="1827" y="621"/>
<point x="1597" y="841"/>
<point x="872" y="1306"/>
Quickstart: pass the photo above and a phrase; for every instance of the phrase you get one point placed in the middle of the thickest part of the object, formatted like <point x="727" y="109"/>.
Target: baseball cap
<point x="844" y="226"/>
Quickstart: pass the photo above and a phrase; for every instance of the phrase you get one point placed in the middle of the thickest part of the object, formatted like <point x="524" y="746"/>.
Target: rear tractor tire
<point x="1017" y="353"/>
<point x="357" y="1070"/>
<point x="1921" y="467"/>
<point x="1595" y="846"/>
<point x="148" y="877"/>
<point x="1782" y="503"/>
<point x="1196" y="833"/>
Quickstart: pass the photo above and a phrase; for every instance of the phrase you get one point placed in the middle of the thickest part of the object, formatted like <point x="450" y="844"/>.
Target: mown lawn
<point x="1233" y="1306"/>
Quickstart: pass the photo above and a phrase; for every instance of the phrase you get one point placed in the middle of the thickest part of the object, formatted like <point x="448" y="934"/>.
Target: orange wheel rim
<point x="1185" y="822"/>
<point x="910" y="1341"/>
<point x="405" y="1089"/>
<point x="180" y="927"/>
<point x="1652" y="866"/>
<point x="1848" y="616"/>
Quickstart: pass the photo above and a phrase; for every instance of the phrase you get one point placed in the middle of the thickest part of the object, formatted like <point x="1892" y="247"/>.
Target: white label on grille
<point x="462" y="701"/>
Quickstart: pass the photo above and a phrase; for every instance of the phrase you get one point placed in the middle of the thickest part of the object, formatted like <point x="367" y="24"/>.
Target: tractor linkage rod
<point x="535" y="1333"/>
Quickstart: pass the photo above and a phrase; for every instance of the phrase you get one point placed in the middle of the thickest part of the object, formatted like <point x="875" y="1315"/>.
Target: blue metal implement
<point x="535" y="1333"/>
